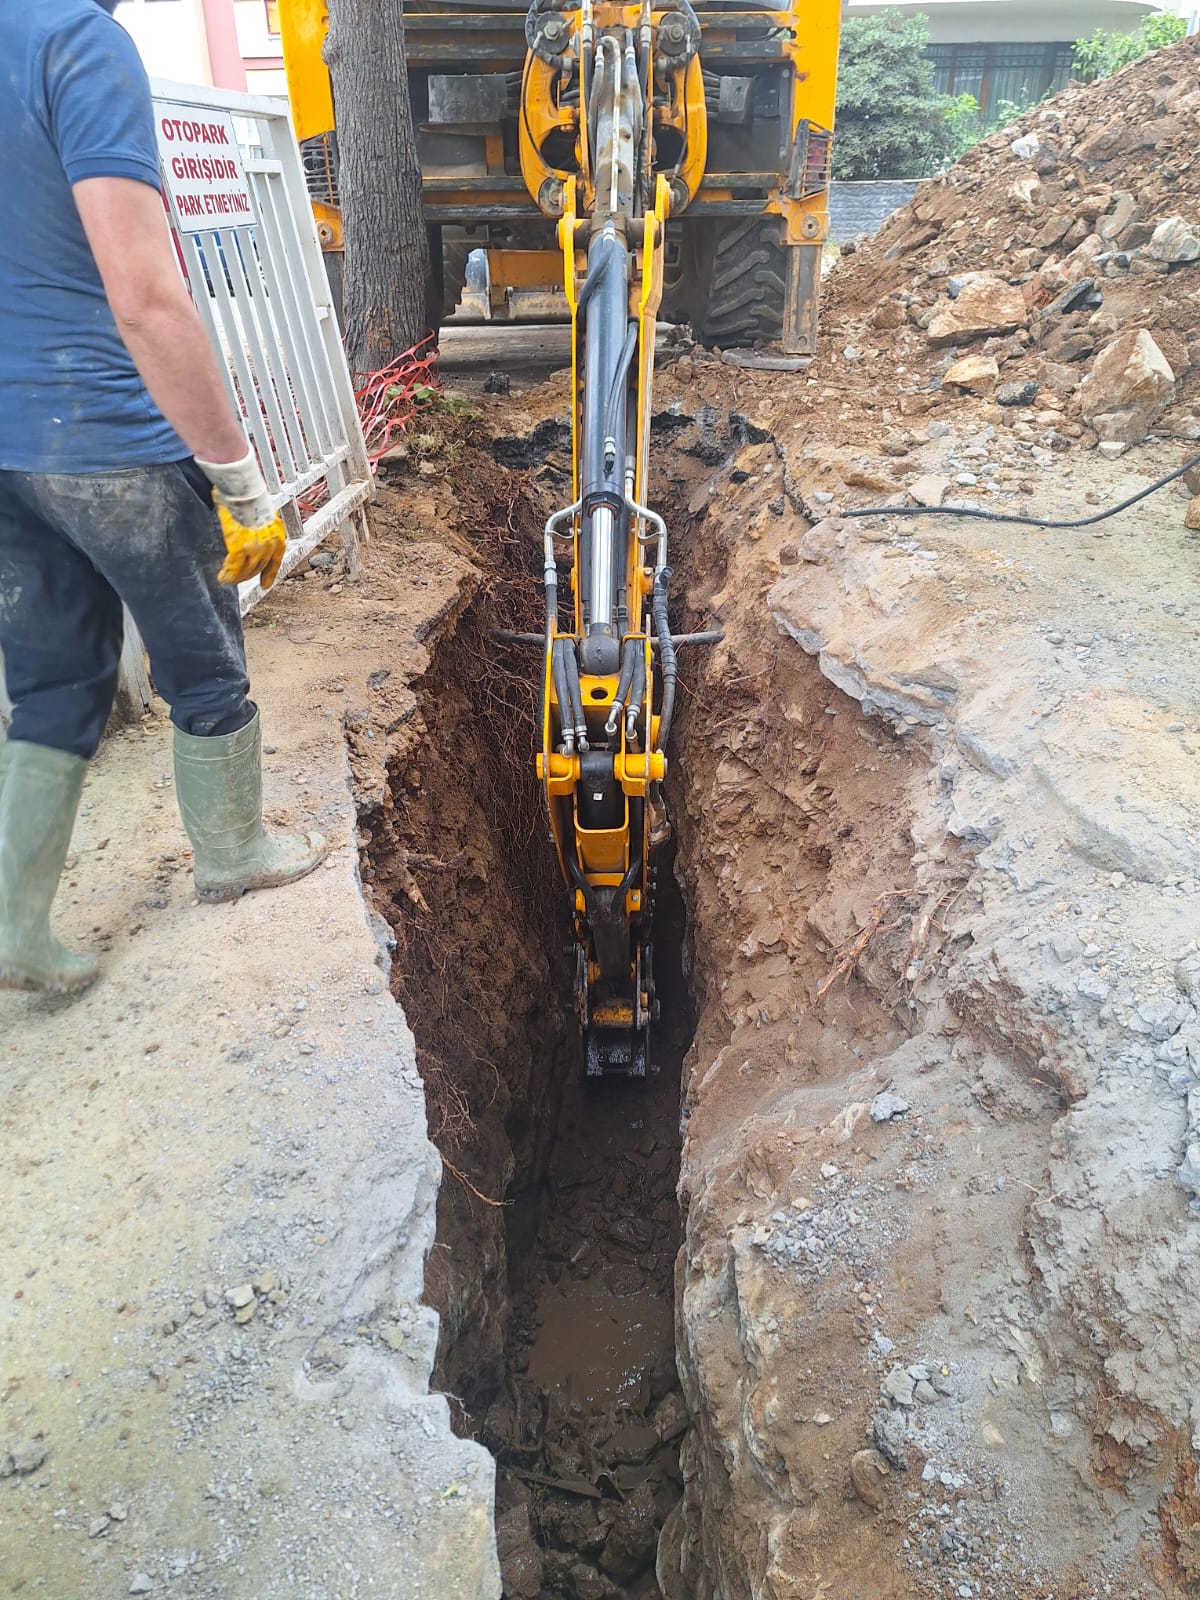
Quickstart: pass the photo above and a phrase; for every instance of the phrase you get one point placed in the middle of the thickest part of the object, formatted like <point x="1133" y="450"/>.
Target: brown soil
<point x="557" y="1224"/>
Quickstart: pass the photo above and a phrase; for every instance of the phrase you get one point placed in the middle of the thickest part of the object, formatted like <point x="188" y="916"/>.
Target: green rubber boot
<point x="218" y="783"/>
<point x="39" y="796"/>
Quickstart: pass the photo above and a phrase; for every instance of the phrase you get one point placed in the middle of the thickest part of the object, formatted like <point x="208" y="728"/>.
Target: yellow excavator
<point x="614" y="163"/>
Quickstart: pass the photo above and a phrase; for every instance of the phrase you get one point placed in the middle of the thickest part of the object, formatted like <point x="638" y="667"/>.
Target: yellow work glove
<point x="255" y="539"/>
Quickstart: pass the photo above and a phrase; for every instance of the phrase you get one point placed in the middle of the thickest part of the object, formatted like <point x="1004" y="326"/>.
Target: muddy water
<point x="596" y="1417"/>
<point x="593" y="1347"/>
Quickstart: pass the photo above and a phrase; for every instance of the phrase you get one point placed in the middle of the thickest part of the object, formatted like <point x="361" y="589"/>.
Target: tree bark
<point x="387" y="243"/>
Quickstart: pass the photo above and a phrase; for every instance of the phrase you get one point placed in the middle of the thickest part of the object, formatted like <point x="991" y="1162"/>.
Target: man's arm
<point x="127" y="230"/>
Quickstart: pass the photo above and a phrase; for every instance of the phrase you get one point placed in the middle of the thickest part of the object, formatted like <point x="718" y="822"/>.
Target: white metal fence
<point x="260" y="286"/>
<point x="258" y="280"/>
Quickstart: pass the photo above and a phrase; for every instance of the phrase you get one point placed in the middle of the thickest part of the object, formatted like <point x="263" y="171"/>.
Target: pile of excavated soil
<point x="1044" y="293"/>
<point x="1089" y="207"/>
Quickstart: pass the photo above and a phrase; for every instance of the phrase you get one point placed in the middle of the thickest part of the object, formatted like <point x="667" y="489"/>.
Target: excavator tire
<point x="736" y="275"/>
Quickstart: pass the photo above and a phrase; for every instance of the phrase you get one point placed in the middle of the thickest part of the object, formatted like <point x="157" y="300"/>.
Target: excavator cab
<point x="616" y="162"/>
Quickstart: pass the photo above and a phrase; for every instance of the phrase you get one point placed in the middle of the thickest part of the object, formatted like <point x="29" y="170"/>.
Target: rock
<point x="573" y="1524"/>
<point x="1174" y="240"/>
<point x="888" y="314"/>
<point x="1052" y="230"/>
<point x="97" y="1526"/>
<point x="1016" y="394"/>
<point x="266" y="1281"/>
<point x="898" y="1386"/>
<point x="1092" y="987"/>
<point x="975" y="374"/>
<point x="243" y="1295"/>
<point x="141" y="1583"/>
<point x="1110" y="449"/>
<point x="886" y="1107"/>
<point x="925" y="1393"/>
<point x="322" y="560"/>
<point x="520" y="1558"/>
<point x="985" y="305"/>
<point x="889" y="1430"/>
<point x="1159" y="1019"/>
<point x="1067" y="946"/>
<point x="929" y="489"/>
<point x="1187" y="1175"/>
<point x="630" y="1546"/>
<point x="25" y="1456"/>
<point x="588" y="1584"/>
<point x="671" y="1418"/>
<point x="869" y="1473"/>
<point x="1072" y="347"/>
<point x="1124" y="212"/>
<point x="1127" y="388"/>
<point x="1191" y="517"/>
<point x="631" y="1444"/>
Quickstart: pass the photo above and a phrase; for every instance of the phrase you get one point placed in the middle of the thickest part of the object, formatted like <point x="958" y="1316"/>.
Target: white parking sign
<point x="202" y="167"/>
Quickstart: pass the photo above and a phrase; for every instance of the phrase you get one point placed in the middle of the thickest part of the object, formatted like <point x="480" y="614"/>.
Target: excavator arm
<point x="667" y="182"/>
<point x="604" y="86"/>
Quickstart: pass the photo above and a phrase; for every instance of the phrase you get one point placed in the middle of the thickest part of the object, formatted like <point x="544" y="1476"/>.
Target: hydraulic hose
<point x="620" y="377"/>
<point x="601" y="260"/>
<point x="670" y="668"/>
<point x="981" y="515"/>
<point x="566" y="711"/>
<point x="571" y="668"/>
<point x="637" y="693"/>
<point x="621" y="698"/>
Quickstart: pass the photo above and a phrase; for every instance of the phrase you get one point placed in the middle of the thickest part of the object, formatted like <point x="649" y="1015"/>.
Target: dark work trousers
<point x="72" y="547"/>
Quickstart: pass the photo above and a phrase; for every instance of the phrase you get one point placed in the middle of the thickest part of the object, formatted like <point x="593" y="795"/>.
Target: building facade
<point x="1013" y="51"/>
<point x="997" y="50"/>
<point x="230" y="43"/>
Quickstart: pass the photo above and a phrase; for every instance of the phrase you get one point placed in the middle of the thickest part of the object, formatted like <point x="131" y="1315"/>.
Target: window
<point x="272" y="7"/>
<point x="1001" y="75"/>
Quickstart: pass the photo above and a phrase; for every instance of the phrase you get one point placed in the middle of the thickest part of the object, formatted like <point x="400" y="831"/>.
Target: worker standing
<point x="116" y="436"/>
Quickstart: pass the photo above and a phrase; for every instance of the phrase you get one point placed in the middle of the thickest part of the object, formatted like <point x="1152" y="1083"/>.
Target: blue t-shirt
<point x="75" y="104"/>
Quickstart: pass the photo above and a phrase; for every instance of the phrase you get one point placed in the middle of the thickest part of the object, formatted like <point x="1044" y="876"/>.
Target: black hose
<point x="620" y="377"/>
<point x="598" y="264"/>
<point x="575" y="692"/>
<point x="558" y="668"/>
<point x="670" y="667"/>
<point x="621" y="698"/>
<point x="637" y="689"/>
<point x="1015" y="516"/>
<point x="710" y="636"/>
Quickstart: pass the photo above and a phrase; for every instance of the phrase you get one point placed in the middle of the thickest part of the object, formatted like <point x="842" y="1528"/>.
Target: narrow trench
<point x="557" y="1327"/>
<point x="554" y="1271"/>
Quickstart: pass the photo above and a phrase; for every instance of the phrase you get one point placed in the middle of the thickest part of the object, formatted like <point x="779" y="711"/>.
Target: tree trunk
<point x="387" y="243"/>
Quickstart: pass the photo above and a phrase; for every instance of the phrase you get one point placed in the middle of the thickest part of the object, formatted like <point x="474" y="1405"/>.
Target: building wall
<point x="863" y="208"/>
<point x="171" y="38"/>
<point x="260" y="47"/>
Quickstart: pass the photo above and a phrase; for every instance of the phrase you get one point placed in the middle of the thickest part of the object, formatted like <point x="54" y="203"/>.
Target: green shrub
<point x="1102" y="54"/>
